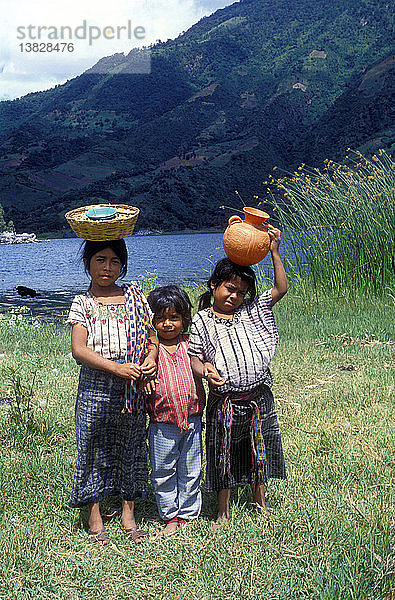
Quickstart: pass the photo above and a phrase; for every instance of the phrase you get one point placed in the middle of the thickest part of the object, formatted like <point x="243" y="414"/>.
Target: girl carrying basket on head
<point x="113" y="341"/>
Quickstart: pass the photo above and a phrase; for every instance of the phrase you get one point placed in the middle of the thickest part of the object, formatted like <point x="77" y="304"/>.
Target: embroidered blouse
<point x="177" y="397"/>
<point x="240" y="348"/>
<point x="107" y="324"/>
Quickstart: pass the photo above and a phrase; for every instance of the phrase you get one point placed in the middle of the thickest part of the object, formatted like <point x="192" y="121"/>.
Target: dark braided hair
<point x="226" y="270"/>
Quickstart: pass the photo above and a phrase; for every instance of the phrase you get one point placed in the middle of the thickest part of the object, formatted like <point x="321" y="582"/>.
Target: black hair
<point x="171" y="296"/>
<point x="89" y="249"/>
<point x="226" y="270"/>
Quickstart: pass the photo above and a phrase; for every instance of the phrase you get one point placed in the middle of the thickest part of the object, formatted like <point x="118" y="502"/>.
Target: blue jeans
<point x="176" y="468"/>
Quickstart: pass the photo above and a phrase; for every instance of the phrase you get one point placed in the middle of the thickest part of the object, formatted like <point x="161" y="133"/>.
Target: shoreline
<point x="143" y="233"/>
<point x="7" y="239"/>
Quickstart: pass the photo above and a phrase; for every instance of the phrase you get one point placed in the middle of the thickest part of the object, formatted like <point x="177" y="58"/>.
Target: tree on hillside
<point x="3" y="225"/>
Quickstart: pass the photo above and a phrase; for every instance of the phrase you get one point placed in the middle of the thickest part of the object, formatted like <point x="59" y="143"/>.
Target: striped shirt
<point x="176" y="397"/>
<point x="240" y="348"/>
<point x="107" y="324"/>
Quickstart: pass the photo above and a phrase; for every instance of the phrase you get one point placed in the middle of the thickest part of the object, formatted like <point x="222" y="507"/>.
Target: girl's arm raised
<point x="280" y="286"/>
<point x="90" y="358"/>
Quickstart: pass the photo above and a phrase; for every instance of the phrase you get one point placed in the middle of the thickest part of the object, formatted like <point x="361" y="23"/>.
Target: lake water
<point x="53" y="267"/>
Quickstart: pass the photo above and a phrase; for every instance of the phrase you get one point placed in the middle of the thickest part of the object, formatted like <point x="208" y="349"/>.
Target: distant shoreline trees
<point x="3" y="225"/>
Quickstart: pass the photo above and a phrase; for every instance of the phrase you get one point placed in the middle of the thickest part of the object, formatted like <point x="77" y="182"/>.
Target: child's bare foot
<point x="96" y="531"/>
<point x="95" y="523"/>
<point x="182" y="522"/>
<point x="171" y="527"/>
<point x="222" y="520"/>
<point x="129" y="526"/>
<point x="266" y="509"/>
<point x="260" y="500"/>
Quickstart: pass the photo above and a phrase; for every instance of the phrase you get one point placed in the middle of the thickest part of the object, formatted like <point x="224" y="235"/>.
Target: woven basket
<point x="116" y="228"/>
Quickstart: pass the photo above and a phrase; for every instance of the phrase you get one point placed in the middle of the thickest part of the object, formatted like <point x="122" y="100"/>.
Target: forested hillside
<point x="255" y="85"/>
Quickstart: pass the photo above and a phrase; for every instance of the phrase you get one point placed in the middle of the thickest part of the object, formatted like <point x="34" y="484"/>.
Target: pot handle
<point x="235" y="219"/>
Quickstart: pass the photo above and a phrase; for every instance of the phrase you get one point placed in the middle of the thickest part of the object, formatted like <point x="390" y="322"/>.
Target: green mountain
<point x="257" y="84"/>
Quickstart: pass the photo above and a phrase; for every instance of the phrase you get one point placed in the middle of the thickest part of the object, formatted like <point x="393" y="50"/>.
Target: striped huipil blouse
<point x="241" y="347"/>
<point x="177" y="396"/>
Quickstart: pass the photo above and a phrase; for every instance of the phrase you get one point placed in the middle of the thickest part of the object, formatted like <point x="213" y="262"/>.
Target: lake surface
<point x="53" y="267"/>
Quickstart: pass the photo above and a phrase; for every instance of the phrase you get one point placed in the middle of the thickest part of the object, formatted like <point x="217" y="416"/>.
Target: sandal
<point x="98" y="537"/>
<point x="138" y="536"/>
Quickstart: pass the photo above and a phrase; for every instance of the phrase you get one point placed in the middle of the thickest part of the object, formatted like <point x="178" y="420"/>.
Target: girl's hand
<point x="128" y="370"/>
<point x="148" y="384"/>
<point x="275" y="238"/>
<point x="149" y="367"/>
<point x="212" y="375"/>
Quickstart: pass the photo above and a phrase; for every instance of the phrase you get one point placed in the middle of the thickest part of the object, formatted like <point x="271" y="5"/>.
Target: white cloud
<point x="24" y="71"/>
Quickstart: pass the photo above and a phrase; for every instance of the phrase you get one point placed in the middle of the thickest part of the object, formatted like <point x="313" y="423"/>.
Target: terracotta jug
<point x="246" y="242"/>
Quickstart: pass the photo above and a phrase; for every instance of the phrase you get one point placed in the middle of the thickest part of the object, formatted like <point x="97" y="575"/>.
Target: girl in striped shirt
<point x="175" y="409"/>
<point x="233" y="339"/>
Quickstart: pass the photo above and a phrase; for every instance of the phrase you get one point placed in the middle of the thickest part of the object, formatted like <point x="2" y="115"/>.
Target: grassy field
<point x="330" y="535"/>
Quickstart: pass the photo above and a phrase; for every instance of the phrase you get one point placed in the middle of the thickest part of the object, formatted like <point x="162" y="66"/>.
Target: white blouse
<point x="107" y="324"/>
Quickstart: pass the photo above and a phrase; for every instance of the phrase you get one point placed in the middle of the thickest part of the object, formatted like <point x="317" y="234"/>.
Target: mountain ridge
<point x="250" y="87"/>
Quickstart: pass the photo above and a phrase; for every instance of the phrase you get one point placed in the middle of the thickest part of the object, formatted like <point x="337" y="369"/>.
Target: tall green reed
<point x="340" y="223"/>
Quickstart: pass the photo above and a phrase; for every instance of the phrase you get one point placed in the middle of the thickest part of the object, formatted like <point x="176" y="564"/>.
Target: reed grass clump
<point x="340" y="223"/>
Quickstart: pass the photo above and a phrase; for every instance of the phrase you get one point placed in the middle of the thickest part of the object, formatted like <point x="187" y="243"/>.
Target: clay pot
<point x="246" y="242"/>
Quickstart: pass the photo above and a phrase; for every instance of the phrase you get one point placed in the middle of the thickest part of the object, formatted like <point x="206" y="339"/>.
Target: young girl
<point x="175" y="409"/>
<point x="233" y="339"/>
<point x="111" y="338"/>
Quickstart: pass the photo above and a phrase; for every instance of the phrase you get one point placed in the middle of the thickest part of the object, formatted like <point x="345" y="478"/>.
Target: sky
<point x="28" y="63"/>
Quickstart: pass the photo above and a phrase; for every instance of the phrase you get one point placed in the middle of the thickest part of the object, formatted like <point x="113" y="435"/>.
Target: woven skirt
<point x="241" y="460"/>
<point x="111" y="443"/>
